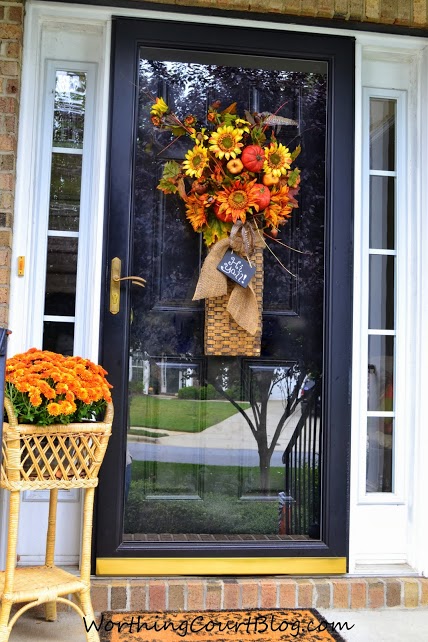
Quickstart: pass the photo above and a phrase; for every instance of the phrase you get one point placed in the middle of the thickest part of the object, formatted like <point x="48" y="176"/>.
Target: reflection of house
<point x="56" y="217"/>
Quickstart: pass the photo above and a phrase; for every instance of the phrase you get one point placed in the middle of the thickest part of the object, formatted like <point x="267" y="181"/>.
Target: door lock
<point x="115" y="279"/>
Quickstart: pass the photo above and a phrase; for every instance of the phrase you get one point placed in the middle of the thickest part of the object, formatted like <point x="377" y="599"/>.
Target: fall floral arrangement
<point x="47" y="388"/>
<point x="235" y="171"/>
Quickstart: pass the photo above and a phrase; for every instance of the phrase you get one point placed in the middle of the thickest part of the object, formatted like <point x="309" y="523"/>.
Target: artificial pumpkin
<point x="222" y="216"/>
<point x="253" y="158"/>
<point x="263" y="195"/>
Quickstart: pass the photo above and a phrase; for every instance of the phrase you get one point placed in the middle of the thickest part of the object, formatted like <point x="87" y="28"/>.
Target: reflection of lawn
<point x="221" y="511"/>
<point x="187" y="415"/>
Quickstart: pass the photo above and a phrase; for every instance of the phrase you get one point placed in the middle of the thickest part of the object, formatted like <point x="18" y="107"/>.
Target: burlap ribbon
<point x="242" y="304"/>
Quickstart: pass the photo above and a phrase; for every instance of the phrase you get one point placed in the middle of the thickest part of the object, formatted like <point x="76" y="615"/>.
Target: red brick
<point x="305" y="594"/>
<point x="4" y="276"/>
<point x="287" y="594"/>
<point x="10" y="32"/>
<point x="9" y="124"/>
<point x="176" y="590"/>
<point x="393" y="592"/>
<point x="15" y="14"/>
<point x="14" y="50"/>
<point x="376" y="594"/>
<point x="231" y="595"/>
<point x="157" y="596"/>
<point x="213" y="595"/>
<point x="268" y="595"/>
<point x="8" y="67"/>
<point x="250" y="594"/>
<point x="4" y="258"/>
<point x="99" y="598"/>
<point x="6" y="161"/>
<point x="138" y="595"/>
<point x="8" y="105"/>
<point x="7" y="181"/>
<point x="358" y="595"/>
<point x="12" y="86"/>
<point x="340" y="594"/>
<point x="5" y="238"/>
<point x="118" y="598"/>
<point x="195" y="595"/>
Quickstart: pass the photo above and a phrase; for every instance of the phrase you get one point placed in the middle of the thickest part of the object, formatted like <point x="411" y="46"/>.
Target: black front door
<point x="231" y="456"/>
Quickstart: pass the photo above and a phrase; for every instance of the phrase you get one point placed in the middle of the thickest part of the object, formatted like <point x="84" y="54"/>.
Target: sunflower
<point x="159" y="107"/>
<point x="277" y="159"/>
<point x="196" y="211"/>
<point x="196" y="161"/>
<point x="226" y="142"/>
<point x="237" y="200"/>
<point x="279" y="208"/>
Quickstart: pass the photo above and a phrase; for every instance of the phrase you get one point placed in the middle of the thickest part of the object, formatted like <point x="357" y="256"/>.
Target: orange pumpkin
<point x="263" y="195"/>
<point x="222" y="216"/>
<point x="253" y="158"/>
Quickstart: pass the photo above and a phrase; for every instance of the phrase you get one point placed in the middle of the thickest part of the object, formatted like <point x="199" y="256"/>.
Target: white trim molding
<point x="383" y="530"/>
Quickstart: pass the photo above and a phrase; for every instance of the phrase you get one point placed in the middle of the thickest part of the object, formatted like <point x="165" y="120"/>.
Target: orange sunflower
<point x="196" y="211"/>
<point x="279" y="208"/>
<point x="238" y="199"/>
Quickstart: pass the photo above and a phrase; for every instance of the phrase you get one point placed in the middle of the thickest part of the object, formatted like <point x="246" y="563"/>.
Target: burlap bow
<point x="242" y="304"/>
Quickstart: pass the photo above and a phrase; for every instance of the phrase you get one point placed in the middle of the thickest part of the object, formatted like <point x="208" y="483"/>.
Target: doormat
<point x="222" y="626"/>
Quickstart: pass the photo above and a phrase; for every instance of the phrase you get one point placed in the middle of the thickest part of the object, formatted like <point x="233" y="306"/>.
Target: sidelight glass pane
<point x="380" y="391"/>
<point x="64" y="205"/>
<point x="382" y="134"/>
<point x="200" y="470"/>
<point x="61" y="270"/>
<point x="382" y="212"/>
<point x="382" y="292"/>
<point x="379" y="477"/>
<point x="69" y="109"/>
<point x="58" y="337"/>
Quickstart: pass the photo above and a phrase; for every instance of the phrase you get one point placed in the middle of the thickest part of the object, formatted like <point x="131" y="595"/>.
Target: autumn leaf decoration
<point x="234" y="170"/>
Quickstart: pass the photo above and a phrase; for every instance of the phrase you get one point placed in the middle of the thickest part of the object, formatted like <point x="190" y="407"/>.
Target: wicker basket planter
<point x="52" y="457"/>
<point x="222" y="335"/>
<point x="55" y="456"/>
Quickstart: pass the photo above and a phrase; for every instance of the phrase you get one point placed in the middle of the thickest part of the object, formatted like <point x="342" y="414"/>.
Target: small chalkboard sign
<point x="236" y="268"/>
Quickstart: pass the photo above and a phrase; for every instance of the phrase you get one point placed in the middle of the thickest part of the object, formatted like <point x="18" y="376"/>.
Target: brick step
<point x="140" y="594"/>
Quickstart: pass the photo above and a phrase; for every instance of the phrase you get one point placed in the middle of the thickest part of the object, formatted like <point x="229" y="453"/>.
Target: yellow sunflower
<point x="237" y="200"/>
<point x="277" y="159"/>
<point x="225" y="142"/>
<point x="159" y="107"/>
<point x="196" y="161"/>
<point x="196" y="211"/>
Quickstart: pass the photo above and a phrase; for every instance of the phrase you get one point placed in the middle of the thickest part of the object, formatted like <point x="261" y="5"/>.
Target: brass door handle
<point x="115" y="279"/>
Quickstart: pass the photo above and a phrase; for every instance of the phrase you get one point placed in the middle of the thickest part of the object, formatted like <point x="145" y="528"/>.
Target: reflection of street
<point x="209" y="456"/>
<point x="230" y="442"/>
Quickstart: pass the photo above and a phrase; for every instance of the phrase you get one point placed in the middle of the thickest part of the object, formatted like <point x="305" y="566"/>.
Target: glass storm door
<point x="215" y="455"/>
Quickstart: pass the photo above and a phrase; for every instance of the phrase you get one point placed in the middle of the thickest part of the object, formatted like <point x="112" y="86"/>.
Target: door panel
<point x="207" y="435"/>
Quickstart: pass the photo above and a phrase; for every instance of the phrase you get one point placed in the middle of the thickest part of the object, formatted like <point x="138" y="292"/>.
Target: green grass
<point x="187" y="415"/>
<point x="147" y="433"/>
<point x="220" y="511"/>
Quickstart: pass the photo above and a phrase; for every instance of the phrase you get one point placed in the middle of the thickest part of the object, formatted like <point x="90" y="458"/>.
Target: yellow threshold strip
<point x="132" y="566"/>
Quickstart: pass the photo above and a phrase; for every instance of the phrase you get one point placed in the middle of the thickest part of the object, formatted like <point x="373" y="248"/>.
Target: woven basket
<point x="223" y="336"/>
<point x="56" y="456"/>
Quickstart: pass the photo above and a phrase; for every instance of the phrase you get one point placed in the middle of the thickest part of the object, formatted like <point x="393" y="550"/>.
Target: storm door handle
<point x="115" y="279"/>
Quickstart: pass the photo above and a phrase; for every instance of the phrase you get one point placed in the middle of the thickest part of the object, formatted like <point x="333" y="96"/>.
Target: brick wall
<point x="11" y="18"/>
<point x="408" y="13"/>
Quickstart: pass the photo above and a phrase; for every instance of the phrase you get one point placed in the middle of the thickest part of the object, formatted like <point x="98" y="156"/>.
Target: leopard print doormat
<point x="305" y="625"/>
